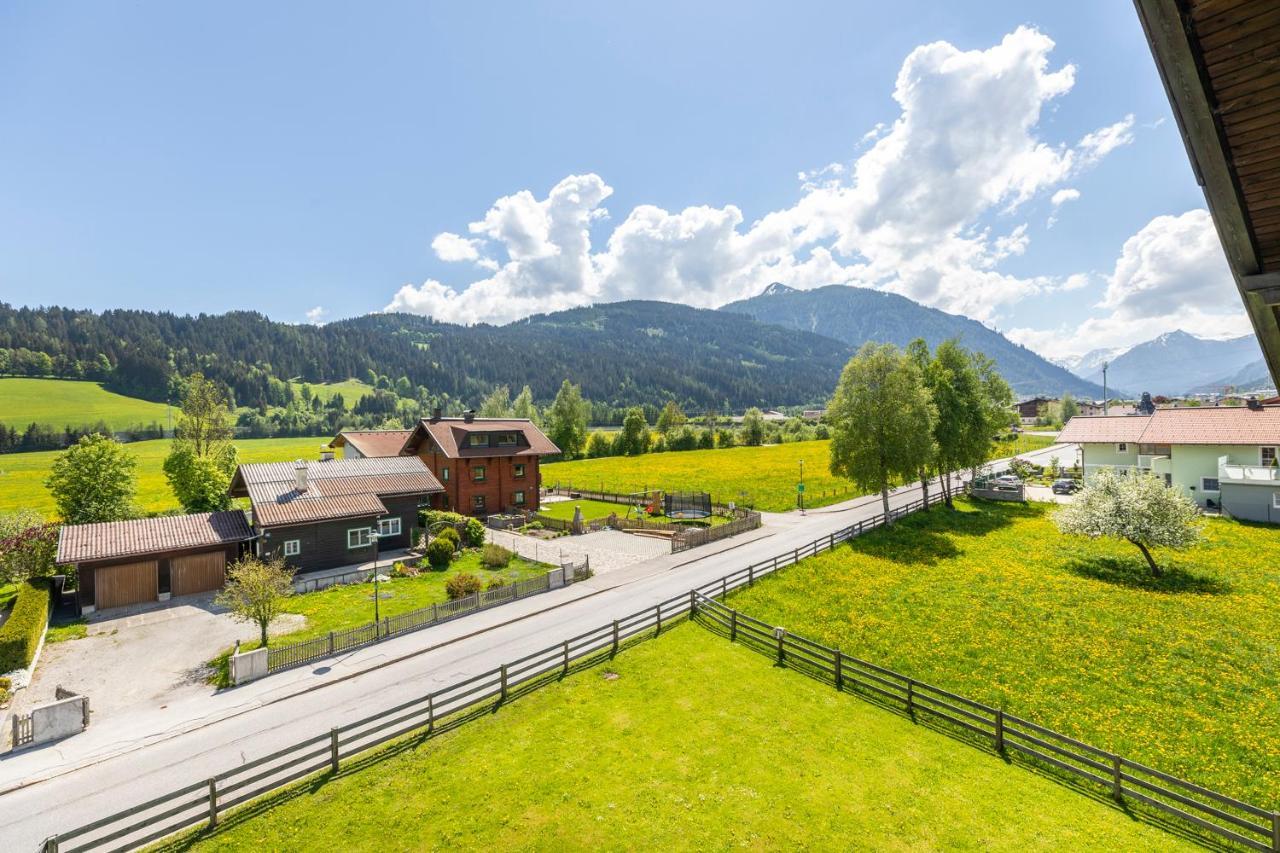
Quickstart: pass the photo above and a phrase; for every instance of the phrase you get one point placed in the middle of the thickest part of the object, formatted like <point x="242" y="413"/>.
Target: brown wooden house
<point x="320" y="515"/>
<point x="120" y="563"/>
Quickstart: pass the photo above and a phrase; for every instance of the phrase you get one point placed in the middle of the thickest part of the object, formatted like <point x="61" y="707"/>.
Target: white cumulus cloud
<point x="316" y="315"/>
<point x="924" y="210"/>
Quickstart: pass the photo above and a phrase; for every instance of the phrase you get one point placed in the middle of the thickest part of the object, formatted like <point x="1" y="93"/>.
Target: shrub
<point x="439" y="553"/>
<point x="20" y="636"/>
<point x="495" y="556"/>
<point x="428" y="517"/>
<point x="475" y="532"/>
<point x="497" y="583"/>
<point x="462" y="585"/>
<point x="449" y="535"/>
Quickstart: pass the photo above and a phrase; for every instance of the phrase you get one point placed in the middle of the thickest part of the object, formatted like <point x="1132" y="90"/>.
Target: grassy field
<point x="765" y="477"/>
<point x="351" y="390"/>
<point x="22" y="475"/>
<point x="563" y="510"/>
<point x="684" y="743"/>
<point x="61" y="402"/>
<point x="993" y="603"/>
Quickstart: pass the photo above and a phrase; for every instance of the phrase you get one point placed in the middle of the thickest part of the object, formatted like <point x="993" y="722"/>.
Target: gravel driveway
<point x="141" y="660"/>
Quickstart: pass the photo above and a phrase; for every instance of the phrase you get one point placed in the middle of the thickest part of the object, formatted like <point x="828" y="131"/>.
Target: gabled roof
<point x="86" y="543"/>
<point x="450" y="436"/>
<point x="1191" y="425"/>
<point x="375" y="442"/>
<point x="1099" y="429"/>
<point x="338" y="488"/>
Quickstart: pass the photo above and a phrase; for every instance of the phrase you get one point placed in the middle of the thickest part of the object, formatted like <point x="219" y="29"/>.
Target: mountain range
<point x="1178" y="363"/>
<point x="853" y="315"/>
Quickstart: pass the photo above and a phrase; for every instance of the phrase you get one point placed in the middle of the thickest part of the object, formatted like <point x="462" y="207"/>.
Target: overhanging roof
<point x="1220" y="64"/>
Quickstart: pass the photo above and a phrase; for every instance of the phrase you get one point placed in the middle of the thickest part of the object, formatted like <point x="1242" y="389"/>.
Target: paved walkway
<point x="609" y="550"/>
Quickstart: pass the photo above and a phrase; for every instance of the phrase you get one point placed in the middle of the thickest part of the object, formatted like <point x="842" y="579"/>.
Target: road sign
<point x="800" y="488"/>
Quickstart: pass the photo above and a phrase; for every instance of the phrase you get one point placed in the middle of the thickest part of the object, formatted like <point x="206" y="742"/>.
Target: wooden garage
<point x="125" y="563"/>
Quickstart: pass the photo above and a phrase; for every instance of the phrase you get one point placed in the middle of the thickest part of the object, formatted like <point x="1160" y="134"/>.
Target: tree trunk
<point x="924" y="486"/>
<point x="262" y="627"/>
<point x="1155" y="570"/>
<point x="884" y="498"/>
<point x="946" y="489"/>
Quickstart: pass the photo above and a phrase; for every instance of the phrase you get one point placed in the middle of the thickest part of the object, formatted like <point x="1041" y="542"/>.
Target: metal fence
<point x="1226" y="817"/>
<point x="305" y="651"/>
<point x="202" y="803"/>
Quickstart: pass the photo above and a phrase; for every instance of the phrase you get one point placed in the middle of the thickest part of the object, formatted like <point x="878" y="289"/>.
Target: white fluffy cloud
<point x="316" y="315"/>
<point x="1164" y="277"/>
<point x="922" y="211"/>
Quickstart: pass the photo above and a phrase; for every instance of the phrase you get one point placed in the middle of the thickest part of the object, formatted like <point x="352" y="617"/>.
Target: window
<point x="506" y="439"/>
<point x="389" y="526"/>
<point x="518" y="497"/>
<point x="477" y="502"/>
<point x="477" y="474"/>
<point x="1275" y="500"/>
<point x="292" y="547"/>
<point x="444" y="474"/>
<point x="1122" y="448"/>
<point x="478" y="440"/>
<point x="359" y="537"/>
<point x="1209" y="484"/>
<point x="519" y="471"/>
<point x="1267" y="455"/>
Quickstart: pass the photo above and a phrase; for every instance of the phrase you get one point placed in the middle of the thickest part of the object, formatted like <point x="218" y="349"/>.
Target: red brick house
<point x="486" y="465"/>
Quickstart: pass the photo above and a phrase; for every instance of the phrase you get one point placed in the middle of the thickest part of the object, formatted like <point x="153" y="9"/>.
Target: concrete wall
<point x="248" y="666"/>
<point x="1106" y="454"/>
<point x="59" y="719"/>
<point x="1251" y="501"/>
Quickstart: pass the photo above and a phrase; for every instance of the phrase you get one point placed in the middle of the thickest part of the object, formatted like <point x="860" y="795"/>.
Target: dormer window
<point x="479" y="439"/>
<point x="506" y="439"/>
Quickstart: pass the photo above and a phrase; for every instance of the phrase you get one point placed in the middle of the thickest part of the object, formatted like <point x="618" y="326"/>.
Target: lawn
<point x="765" y="477"/>
<point x="687" y="742"/>
<point x="563" y="510"/>
<point x="64" y="402"/>
<point x="351" y="390"/>
<point x="22" y="475"/>
<point x="993" y="603"/>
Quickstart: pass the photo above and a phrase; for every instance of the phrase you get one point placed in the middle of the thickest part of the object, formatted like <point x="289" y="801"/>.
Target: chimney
<point x="469" y="415"/>
<point x="1254" y="404"/>
<point x="435" y="414"/>
<point x="326" y="454"/>
<point x="300" y="474"/>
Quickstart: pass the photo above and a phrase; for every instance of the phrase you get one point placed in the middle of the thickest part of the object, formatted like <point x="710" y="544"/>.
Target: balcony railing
<point x="1248" y="473"/>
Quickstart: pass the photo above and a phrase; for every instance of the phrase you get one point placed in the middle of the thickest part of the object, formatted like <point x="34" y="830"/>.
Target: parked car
<point x="1065" y="486"/>
<point x="1006" y="481"/>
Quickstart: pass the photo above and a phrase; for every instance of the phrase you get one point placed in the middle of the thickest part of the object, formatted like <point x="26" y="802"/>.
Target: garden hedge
<point x="20" y="636"/>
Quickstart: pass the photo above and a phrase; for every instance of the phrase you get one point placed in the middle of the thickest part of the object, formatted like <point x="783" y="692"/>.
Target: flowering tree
<point x="1139" y="509"/>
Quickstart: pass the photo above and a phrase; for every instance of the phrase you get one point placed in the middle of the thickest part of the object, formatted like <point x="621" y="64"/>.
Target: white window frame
<point x="518" y="497"/>
<point x="507" y="439"/>
<point x="517" y="470"/>
<point x="1275" y="500"/>
<point x="363" y="537"/>
<point x="483" y="474"/>
<point x="389" y="526"/>
<point x="292" y="547"/>
<point x="1122" y="447"/>
<point x="444" y="473"/>
<point x="1275" y="452"/>
<point x="478" y="439"/>
<point x="1205" y="488"/>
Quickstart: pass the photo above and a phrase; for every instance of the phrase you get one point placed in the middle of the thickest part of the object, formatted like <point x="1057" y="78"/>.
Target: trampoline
<point x="686" y="505"/>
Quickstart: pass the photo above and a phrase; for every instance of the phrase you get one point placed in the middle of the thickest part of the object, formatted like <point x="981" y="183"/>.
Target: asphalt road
<point x="108" y="768"/>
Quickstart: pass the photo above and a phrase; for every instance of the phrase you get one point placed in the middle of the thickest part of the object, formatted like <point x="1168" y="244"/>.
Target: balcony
<point x="1247" y="473"/>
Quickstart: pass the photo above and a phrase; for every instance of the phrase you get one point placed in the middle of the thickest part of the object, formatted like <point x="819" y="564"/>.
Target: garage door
<point x="133" y="583"/>
<point x="197" y="573"/>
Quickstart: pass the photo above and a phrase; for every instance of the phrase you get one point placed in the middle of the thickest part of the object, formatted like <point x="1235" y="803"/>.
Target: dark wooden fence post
<point x="502" y="674"/>
<point x="693" y="602"/>
<point x="1275" y="833"/>
<point x="724" y="588"/>
<point x="1117" y="783"/>
<point x="333" y="750"/>
<point x="1000" y="730"/>
<point x="733" y="626"/>
<point x="615" y="637"/>
<point x="657" y="609"/>
<point x="839" y="670"/>
<point x="566" y="657"/>
<point x="911" y="697"/>
<point x="330" y="642"/>
<point x="431" y="713"/>
<point x="782" y="654"/>
<point x="50" y="845"/>
<point x="751" y="575"/>
<point x="213" y="803"/>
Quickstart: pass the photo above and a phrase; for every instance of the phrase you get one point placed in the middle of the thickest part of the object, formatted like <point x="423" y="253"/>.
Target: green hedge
<point x="20" y="636"/>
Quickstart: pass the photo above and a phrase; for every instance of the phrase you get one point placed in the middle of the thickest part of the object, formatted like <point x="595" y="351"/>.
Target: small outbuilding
<point x="120" y="563"/>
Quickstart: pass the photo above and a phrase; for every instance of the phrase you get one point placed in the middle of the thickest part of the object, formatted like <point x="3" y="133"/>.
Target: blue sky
<point x="293" y="157"/>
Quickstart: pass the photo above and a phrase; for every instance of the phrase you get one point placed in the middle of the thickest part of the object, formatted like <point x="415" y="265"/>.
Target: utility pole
<point x="1105" y="365"/>
<point x="800" y="491"/>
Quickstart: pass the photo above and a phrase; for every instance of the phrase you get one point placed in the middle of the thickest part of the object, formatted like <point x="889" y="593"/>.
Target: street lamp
<point x="374" y="535"/>
<point x="801" y="487"/>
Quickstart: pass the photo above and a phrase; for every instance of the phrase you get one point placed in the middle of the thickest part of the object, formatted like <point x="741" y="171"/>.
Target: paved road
<point x="122" y="762"/>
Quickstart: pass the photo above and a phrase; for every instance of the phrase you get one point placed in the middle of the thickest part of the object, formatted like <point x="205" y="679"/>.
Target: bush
<point x="475" y="532"/>
<point x="462" y="585"/>
<point x="495" y="556"/>
<point x="497" y="583"/>
<point x="20" y="636"/>
<point x="449" y="535"/>
<point x="533" y="525"/>
<point x="428" y="517"/>
<point x="439" y="553"/>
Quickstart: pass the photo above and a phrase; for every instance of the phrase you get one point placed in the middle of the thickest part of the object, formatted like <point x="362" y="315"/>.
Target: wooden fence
<point x="693" y="537"/>
<point x="202" y="803"/>
<point x="1225" y="817"/>
<point x="305" y="651"/>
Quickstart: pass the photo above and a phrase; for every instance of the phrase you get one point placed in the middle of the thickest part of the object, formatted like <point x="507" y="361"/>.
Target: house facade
<point x="1029" y="410"/>
<point x="1224" y="457"/>
<point x="321" y="515"/>
<point x="485" y="465"/>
